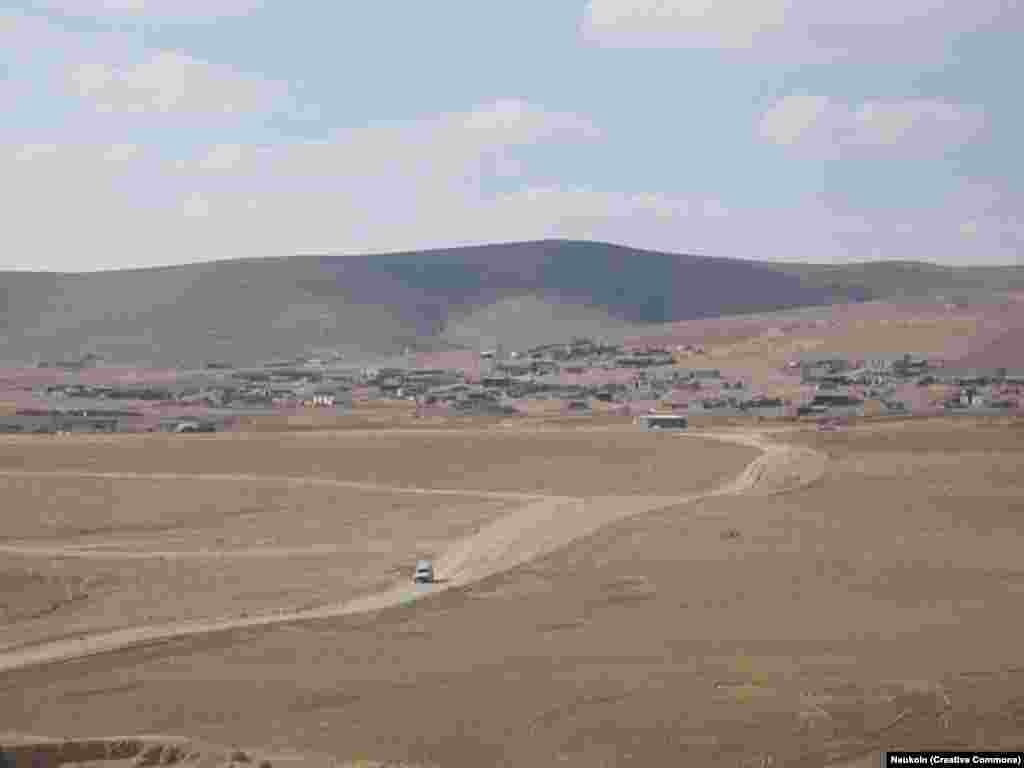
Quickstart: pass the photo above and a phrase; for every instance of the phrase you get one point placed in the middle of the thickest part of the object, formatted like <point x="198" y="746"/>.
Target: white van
<point x="424" y="572"/>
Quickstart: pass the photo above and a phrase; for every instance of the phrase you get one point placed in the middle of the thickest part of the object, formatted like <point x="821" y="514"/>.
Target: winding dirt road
<point x="291" y="480"/>
<point x="546" y="524"/>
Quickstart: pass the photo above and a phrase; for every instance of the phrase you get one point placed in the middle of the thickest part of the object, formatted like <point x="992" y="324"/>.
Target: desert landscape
<point x="729" y="596"/>
<point x="818" y="563"/>
<point x="589" y="384"/>
<point x="102" y="540"/>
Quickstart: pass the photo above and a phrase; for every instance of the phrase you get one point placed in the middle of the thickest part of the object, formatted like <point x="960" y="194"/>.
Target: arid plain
<point x="608" y="597"/>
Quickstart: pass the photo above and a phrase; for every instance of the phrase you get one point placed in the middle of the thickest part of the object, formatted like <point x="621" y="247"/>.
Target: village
<point x="660" y="386"/>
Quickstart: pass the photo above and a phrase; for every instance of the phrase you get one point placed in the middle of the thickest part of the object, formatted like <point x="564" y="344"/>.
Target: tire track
<point x="537" y="529"/>
<point x="289" y="480"/>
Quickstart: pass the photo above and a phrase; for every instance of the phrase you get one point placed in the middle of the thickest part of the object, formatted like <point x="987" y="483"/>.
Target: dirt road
<point x="291" y="480"/>
<point x="534" y="530"/>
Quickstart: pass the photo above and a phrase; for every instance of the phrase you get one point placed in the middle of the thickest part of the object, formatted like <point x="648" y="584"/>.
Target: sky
<point x="140" y="133"/>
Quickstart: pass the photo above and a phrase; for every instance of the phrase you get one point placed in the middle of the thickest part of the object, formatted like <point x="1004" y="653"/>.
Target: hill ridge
<point x="252" y="309"/>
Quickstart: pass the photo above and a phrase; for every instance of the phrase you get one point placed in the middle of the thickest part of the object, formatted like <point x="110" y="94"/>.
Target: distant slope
<point x="527" y="321"/>
<point x="1004" y="350"/>
<point x="246" y="311"/>
<point x="909" y="280"/>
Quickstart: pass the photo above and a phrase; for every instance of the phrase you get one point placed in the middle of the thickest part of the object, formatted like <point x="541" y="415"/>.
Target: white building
<point x="663" y="421"/>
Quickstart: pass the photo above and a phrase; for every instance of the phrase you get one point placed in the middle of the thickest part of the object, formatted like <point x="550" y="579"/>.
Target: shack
<point x="663" y="421"/>
<point x="42" y="421"/>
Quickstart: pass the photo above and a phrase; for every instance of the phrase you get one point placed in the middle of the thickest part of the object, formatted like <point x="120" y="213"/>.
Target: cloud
<point x="163" y="10"/>
<point x="520" y="122"/>
<point x="793" y="118"/>
<point x="452" y="151"/>
<point x="868" y="29"/>
<point x="23" y="35"/>
<point x="379" y="187"/>
<point x="642" y="219"/>
<point x="681" y="23"/>
<point x="172" y="82"/>
<point x="431" y="183"/>
<point x="79" y="163"/>
<point x="221" y="157"/>
<point x="195" y="206"/>
<point x="110" y="72"/>
<point x="917" y="126"/>
<point x="969" y="228"/>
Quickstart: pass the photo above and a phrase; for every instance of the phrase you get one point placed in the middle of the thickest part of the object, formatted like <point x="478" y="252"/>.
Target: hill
<point x="246" y="311"/>
<point x="910" y="280"/>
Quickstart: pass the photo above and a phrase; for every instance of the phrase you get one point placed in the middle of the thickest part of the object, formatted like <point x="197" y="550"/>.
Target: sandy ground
<point x="521" y="460"/>
<point x="541" y="526"/>
<point x="24" y="751"/>
<point x="809" y="622"/>
<point x="99" y="534"/>
<point x="136" y="550"/>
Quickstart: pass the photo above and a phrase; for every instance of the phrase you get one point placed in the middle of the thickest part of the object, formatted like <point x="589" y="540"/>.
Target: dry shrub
<point x="170" y="754"/>
<point x="150" y="755"/>
<point x="119" y="749"/>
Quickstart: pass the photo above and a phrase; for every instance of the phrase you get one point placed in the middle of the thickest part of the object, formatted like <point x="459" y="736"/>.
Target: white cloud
<point x="714" y="209"/>
<point x="222" y="157"/>
<point x="80" y="163"/>
<point x="164" y="10"/>
<point x="916" y="126"/>
<point x="651" y="220"/>
<point x="422" y="184"/>
<point x="169" y="81"/>
<point x="394" y="160"/>
<point x="921" y="122"/>
<point x="869" y="29"/>
<point x="30" y="152"/>
<point x="195" y="206"/>
<point x="120" y="154"/>
<point x="25" y="37"/>
<point x="380" y="187"/>
<point x="685" y="23"/>
<point x="520" y="122"/>
<point x="792" y="118"/>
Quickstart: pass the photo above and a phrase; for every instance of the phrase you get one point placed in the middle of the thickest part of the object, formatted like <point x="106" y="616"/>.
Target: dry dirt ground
<point x="784" y="622"/>
<point x="84" y="554"/>
<point x="96" y="538"/>
<point x="24" y="751"/>
<point x="519" y="460"/>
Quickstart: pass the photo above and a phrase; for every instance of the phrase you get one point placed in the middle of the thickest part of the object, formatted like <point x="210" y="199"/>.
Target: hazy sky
<point x="145" y="132"/>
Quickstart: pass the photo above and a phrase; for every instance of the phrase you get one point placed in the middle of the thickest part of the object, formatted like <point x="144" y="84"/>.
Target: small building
<point x="817" y="366"/>
<point x="496" y="381"/>
<point x="514" y="369"/>
<point x="764" y="407"/>
<point x="705" y="374"/>
<point x="320" y="401"/>
<point x="663" y="421"/>
<point x="883" y="364"/>
<point x="645" y="360"/>
<point x="186" y="425"/>
<point x="27" y="424"/>
<point x="543" y="367"/>
<point x="837" y="404"/>
<point x="40" y="421"/>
